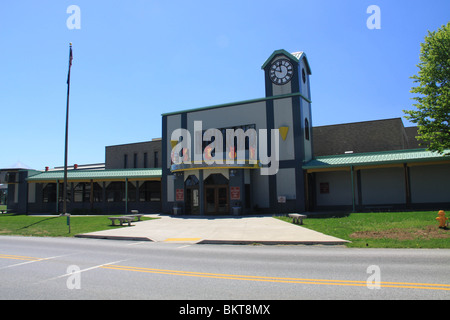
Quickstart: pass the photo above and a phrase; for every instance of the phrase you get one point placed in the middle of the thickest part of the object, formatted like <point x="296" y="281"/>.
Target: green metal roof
<point x="296" y="56"/>
<point x="119" y="174"/>
<point x="375" y="158"/>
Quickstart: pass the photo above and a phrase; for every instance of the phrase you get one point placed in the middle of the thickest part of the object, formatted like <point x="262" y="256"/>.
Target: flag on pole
<point x="70" y="63"/>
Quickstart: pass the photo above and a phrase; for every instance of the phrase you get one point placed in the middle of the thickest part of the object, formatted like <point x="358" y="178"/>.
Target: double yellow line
<point x="355" y="283"/>
<point x="9" y="256"/>
<point x="428" y="286"/>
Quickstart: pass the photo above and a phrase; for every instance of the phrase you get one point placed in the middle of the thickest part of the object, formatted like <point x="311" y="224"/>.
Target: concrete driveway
<point x="215" y="230"/>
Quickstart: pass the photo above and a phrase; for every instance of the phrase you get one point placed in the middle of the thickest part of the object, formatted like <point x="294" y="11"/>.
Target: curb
<point x="87" y="236"/>
<point x="273" y="243"/>
<point x="224" y="242"/>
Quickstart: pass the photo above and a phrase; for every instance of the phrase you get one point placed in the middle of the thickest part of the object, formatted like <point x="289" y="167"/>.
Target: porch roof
<point x="111" y="174"/>
<point x="376" y="158"/>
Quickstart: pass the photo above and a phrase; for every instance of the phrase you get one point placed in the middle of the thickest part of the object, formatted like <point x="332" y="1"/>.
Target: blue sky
<point x="134" y="60"/>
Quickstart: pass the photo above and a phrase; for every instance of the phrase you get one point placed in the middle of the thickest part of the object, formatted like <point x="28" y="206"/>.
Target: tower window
<point x="303" y="75"/>
<point x="306" y="129"/>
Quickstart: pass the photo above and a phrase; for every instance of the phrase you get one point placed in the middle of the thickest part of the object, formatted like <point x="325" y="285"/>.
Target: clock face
<point x="281" y="71"/>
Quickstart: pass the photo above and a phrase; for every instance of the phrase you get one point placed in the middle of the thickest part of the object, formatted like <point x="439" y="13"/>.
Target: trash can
<point x="177" y="211"/>
<point x="236" y="211"/>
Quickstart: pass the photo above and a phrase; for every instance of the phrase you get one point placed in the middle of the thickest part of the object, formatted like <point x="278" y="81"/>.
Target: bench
<point x="121" y="220"/>
<point x="135" y="214"/>
<point x="297" y="218"/>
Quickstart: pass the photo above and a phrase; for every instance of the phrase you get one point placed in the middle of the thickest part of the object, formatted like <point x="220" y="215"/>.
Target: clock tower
<point x="288" y="109"/>
<point x="287" y="73"/>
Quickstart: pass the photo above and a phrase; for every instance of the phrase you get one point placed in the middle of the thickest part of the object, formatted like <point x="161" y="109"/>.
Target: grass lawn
<point x="364" y="230"/>
<point x="384" y="229"/>
<point x="53" y="226"/>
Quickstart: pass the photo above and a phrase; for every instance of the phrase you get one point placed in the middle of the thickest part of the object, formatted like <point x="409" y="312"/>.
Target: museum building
<point x="250" y="157"/>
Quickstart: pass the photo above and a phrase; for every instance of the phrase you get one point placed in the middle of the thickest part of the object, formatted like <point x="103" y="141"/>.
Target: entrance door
<point x="192" y="195"/>
<point x="216" y="199"/>
<point x="192" y="201"/>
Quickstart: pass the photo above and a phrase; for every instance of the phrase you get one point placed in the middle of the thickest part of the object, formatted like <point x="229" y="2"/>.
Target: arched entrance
<point x="216" y="195"/>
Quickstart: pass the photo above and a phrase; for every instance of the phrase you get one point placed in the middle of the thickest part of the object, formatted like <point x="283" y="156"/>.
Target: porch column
<point x="201" y="190"/>
<point x="353" y="188"/>
<point x="126" y="195"/>
<point x="407" y="185"/>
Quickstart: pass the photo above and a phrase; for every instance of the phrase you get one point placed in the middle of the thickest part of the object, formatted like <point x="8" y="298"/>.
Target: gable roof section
<point x="115" y="174"/>
<point x="296" y="56"/>
<point x="375" y="158"/>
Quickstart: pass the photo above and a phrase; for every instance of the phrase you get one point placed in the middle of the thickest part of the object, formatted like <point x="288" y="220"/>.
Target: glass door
<point x="222" y="200"/>
<point x="216" y="199"/>
<point x="210" y="199"/>
<point x="192" y="201"/>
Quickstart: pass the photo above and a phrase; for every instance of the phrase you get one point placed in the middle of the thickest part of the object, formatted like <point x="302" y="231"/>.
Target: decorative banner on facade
<point x="235" y="193"/>
<point x="180" y="195"/>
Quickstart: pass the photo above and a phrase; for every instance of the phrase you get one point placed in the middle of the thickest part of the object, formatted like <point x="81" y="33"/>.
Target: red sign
<point x="180" y="194"/>
<point x="235" y="193"/>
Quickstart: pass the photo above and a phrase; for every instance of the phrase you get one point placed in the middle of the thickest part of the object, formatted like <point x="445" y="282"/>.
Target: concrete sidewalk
<point x="216" y="230"/>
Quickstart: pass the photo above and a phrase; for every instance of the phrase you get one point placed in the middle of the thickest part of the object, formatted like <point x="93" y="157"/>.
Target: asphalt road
<point x="67" y="268"/>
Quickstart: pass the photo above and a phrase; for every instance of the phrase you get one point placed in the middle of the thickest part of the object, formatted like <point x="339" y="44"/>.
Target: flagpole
<point x="67" y="134"/>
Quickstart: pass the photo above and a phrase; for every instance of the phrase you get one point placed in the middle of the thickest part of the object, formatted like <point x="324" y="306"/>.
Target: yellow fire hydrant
<point x="442" y="219"/>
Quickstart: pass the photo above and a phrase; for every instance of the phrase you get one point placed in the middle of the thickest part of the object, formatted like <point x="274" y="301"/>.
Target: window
<point x="145" y="160"/>
<point x="131" y="192"/>
<point x="216" y="179"/>
<point x="49" y="193"/>
<point x="69" y="192"/>
<point x="150" y="191"/>
<point x="11" y="177"/>
<point x="82" y="192"/>
<point x="135" y="161"/>
<point x="125" y="161"/>
<point x="192" y="181"/>
<point x="306" y="129"/>
<point x="156" y="159"/>
<point x="98" y="192"/>
<point x="115" y="192"/>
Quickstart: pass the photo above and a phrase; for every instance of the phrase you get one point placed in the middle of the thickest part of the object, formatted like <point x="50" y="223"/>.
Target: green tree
<point x="433" y="88"/>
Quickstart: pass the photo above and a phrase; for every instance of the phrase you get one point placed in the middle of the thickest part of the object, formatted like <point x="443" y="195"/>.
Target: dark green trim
<point x="296" y="94"/>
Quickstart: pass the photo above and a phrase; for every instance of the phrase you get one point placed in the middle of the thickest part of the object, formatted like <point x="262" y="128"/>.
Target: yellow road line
<point x="429" y="286"/>
<point x="9" y="256"/>
<point x="408" y="285"/>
